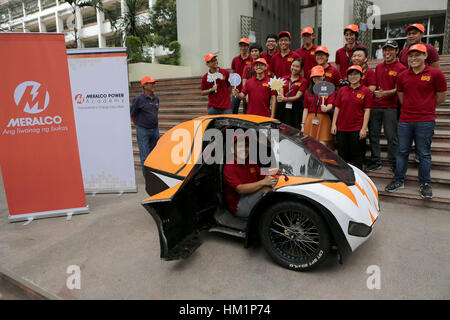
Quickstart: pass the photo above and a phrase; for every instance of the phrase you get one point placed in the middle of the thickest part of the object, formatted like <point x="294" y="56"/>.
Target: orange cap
<point x="284" y="33"/>
<point x="210" y="56"/>
<point x="322" y="49"/>
<point x="357" y="68"/>
<point x="418" y="26"/>
<point x="352" y="27"/>
<point x="308" y="30"/>
<point x="417" y="47"/>
<point x="244" y="40"/>
<point x="317" y="71"/>
<point x="147" y="79"/>
<point x="260" y="60"/>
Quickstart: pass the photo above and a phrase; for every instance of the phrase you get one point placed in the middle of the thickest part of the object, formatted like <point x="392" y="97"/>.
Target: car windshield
<point x="304" y="156"/>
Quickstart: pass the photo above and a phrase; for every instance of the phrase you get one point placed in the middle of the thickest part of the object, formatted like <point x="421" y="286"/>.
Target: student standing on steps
<point x="385" y="105"/>
<point x="420" y="89"/>
<point x="219" y="101"/>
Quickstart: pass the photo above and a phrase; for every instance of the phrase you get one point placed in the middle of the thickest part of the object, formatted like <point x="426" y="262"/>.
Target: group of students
<point x="401" y="95"/>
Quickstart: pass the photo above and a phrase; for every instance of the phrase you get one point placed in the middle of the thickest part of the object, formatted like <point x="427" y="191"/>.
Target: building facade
<point x="393" y="17"/>
<point x="93" y="30"/>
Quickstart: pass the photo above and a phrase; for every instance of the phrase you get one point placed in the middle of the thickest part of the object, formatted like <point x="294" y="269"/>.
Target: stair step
<point x="438" y="177"/>
<point x="410" y="195"/>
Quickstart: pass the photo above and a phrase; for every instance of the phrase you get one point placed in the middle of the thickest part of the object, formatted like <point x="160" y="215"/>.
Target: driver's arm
<point x="249" y="188"/>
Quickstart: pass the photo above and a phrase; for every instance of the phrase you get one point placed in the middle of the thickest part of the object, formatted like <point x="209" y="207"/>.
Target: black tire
<point x="294" y="235"/>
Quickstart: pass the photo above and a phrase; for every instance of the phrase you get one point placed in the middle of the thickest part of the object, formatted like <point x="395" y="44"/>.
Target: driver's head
<point x="241" y="147"/>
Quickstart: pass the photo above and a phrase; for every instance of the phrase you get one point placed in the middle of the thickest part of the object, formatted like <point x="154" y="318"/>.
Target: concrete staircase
<point x="180" y="100"/>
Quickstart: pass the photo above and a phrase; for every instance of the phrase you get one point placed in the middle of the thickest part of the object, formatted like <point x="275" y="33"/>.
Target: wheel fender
<point x="336" y="232"/>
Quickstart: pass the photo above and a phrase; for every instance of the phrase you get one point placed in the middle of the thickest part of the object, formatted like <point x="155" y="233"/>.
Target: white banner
<point x="99" y="81"/>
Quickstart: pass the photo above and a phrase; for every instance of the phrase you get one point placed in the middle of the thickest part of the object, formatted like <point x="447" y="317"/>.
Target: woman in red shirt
<point x="289" y="107"/>
<point x="316" y="121"/>
<point x="351" y="118"/>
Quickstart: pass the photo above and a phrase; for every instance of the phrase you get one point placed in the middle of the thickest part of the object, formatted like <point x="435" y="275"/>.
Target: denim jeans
<point x="235" y="102"/>
<point x="388" y="118"/>
<point x="422" y="133"/>
<point x="146" y="139"/>
<point x="214" y="111"/>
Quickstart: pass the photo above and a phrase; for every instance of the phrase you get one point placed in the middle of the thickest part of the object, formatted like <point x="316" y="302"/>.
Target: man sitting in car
<point x="244" y="184"/>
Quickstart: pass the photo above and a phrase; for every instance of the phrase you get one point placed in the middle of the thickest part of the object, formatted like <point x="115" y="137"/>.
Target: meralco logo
<point x="33" y="98"/>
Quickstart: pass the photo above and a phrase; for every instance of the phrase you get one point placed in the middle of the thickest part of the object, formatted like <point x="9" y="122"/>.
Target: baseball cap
<point x="391" y="43"/>
<point x="322" y="49"/>
<point x="284" y="34"/>
<point x="357" y="68"/>
<point x="317" y="71"/>
<point x="308" y="30"/>
<point x="244" y="40"/>
<point x="260" y="60"/>
<point x="418" y="26"/>
<point x="147" y="79"/>
<point x="352" y="27"/>
<point x="417" y="47"/>
<point x="210" y="56"/>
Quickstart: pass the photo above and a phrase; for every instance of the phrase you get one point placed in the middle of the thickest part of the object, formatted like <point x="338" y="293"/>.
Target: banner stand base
<point x="93" y="193"/>
<point x="47" y="214"/>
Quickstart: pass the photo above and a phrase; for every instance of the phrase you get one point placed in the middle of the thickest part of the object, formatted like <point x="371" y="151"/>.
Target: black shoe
<point x="374" y="166"/>
<point x="425" y="191"/>
<point x="394" y="186"/>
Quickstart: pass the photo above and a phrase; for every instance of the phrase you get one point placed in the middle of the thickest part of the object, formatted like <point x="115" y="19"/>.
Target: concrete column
<point x="39" y="5"/>
<point x="42" y="27"/>
<point x="23" y="9"/>
<point x="59" y="23"/>
<point x="217" y="29"/>
<point x="336" y="14"/>
<point x="79" y="26"/>
<point x="100" y="21"/>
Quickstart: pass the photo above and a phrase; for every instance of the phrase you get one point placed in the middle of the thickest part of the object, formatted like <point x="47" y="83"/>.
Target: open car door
<point x="181" y="190"/>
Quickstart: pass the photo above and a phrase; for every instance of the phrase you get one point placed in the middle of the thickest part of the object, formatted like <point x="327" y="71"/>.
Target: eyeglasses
<point x="271" y="41"/>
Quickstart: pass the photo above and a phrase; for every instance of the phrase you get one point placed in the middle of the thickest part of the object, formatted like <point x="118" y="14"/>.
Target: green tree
<point x="163" y="23"/>
<point x="163" y="30"/>
<point x="133" y="22"/>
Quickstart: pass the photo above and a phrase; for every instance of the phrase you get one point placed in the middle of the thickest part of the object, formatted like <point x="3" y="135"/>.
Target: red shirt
<point x="369" y="78"/>
<point x="220" y="99"/>
<point x="238" y="65"/>
<point x="281" y="66"/>
<point x="351" y="104"/>
<point x="259" y="94"/>
<point x="387" y="75"/>
<point x="419" y="93"/>
<point x="332" y="75"/>
<point x="344" y="59"/>
<point x="291" y="89"/>
<point x="309" y="59"/>
<point x="310" y="103"/>
<point x="236" y="174"/>
<point x="268" y="57"/>
<point x="433" y="55"/>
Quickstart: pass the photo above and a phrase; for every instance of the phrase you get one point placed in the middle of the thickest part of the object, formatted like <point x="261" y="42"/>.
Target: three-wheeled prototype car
<point x="319" y="202"/>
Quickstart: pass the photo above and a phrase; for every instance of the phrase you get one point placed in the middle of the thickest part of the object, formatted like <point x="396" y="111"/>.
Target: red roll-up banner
<point x="38" y="143"/>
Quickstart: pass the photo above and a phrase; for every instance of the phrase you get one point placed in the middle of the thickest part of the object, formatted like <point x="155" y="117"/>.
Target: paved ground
<point x="116" y="247"/>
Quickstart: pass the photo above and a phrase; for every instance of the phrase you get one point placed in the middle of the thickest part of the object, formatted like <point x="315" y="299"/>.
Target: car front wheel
<point x="294" y="235"/>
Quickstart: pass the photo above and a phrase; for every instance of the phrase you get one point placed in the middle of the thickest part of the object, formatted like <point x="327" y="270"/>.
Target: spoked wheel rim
<point x="294" y="235"/>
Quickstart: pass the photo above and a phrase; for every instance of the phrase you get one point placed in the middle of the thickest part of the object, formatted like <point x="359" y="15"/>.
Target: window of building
<point x="395" y="30"/>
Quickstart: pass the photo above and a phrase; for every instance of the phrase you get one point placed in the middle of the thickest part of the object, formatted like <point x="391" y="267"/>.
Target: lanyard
<point x="317" y="104"/>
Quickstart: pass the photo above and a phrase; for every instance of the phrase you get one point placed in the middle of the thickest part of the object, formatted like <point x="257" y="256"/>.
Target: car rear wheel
<point x="294" y="235"/>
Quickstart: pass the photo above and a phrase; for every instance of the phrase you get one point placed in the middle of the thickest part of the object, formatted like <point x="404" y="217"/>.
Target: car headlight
<point x="358" y="229"/>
